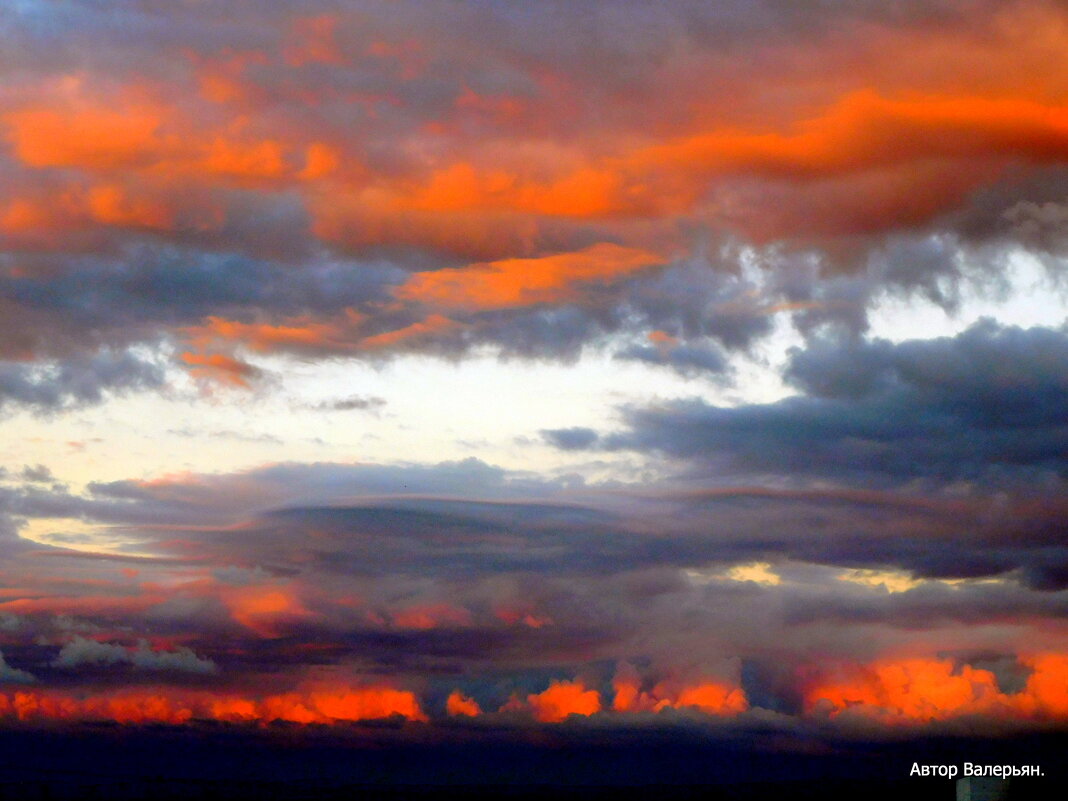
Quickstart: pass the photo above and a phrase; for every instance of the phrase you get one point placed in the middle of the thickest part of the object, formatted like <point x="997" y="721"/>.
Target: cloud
<point x="80" y="651"/>
<point x="670" y="183"/>
<point x="12" y="675"/>
<point x="563" y="582"/>
<point x="932" y="689"/>
<point x="366" y="185"/>
<point x="684" y="358"/>
<point x="76" y="381"/>
<point x="563" y="699"/>
<point x="459" y="704"/>
<point x="362" y="403"/>
<point x="569" y="439"/>
<point x="983" y="404"/>
<point x="524" y="282"/>
<point x="323" y="704"/>
<point x="37" y="473"/>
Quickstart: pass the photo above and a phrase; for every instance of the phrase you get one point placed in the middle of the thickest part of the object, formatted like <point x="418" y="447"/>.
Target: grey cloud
<point x="80" y="651"/>
<point x="362" y="403"/>
<point x="570" y="439"/>
<point x="76" y="381"/>
<point x="988" y="402"/>
<point x="37" y="473"/>
<point x="11" y="675"/>
<point x="686" y="359"/>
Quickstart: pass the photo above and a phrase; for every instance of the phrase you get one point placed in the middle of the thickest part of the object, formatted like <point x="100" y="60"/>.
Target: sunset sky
<point x="501" y="365"/>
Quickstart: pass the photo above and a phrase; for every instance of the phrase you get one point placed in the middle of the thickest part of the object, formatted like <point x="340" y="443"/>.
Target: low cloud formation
<point x="936" y="689"/>
<point x="10" y="675"/>
<point x="80" y="651"/>
<point x="637" y="604"/>
<point x="321" y="705"/>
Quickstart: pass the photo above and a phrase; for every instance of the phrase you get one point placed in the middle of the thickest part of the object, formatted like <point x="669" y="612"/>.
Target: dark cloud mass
<point x="987" y="405"/>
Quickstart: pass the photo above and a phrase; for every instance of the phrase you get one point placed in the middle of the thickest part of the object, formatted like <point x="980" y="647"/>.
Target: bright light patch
<point x="62" y="532"/>
<point x="756" y="572"/>
<point x="890" y="580"/>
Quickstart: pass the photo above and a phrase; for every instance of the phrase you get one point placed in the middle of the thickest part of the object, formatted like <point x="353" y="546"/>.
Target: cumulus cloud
<point x="13" y="675"/>
<point x="80" y="651"/>
<point x="37" y="473"/>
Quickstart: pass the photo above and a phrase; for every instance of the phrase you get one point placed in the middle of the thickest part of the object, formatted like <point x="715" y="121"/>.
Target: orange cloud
<point x="710" y="696"/>
<point x="172" y="706"/>
<point x="562" y="699"/>
<point x="430" y="616"/>
<point x="365" y="703"/>
<point x="264" y="609"/>
<point x="627" y="689"/>
<point x="459" y="704"/>
<point x="296" y="332"/>
<point x="103" y="605"/>
<point x="373" y="217"/>
<point x="1047" y="687"/>
<point x="219" y="368"/>
<point x="312" y="41"/>
<point x="434" y="324"/>
<point x="95" y="138"/>
<point x="895" y="143"/>
<point x="113" y="205"/>
<point x="246" y="160"/>
<point x="912" y="689"/>
<point x="863" y="130"/>
<point x="523" y="615"/>
<point x="320" y="160"/>
<point x="22" y="215"/>
<point x="923" y="690"/>
<point x="585" y="192"/>
<point x="524" y="282"/>
<point x="146" y="140"/>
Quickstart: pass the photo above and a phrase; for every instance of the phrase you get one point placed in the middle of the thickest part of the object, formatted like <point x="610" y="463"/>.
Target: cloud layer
<point x="360" y="182"/>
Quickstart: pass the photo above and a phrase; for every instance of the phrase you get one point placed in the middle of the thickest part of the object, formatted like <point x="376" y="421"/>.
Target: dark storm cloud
<point x="987" y="403"/>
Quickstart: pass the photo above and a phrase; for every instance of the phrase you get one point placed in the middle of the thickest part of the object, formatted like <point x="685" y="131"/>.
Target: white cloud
<point x="81" y="651"/>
